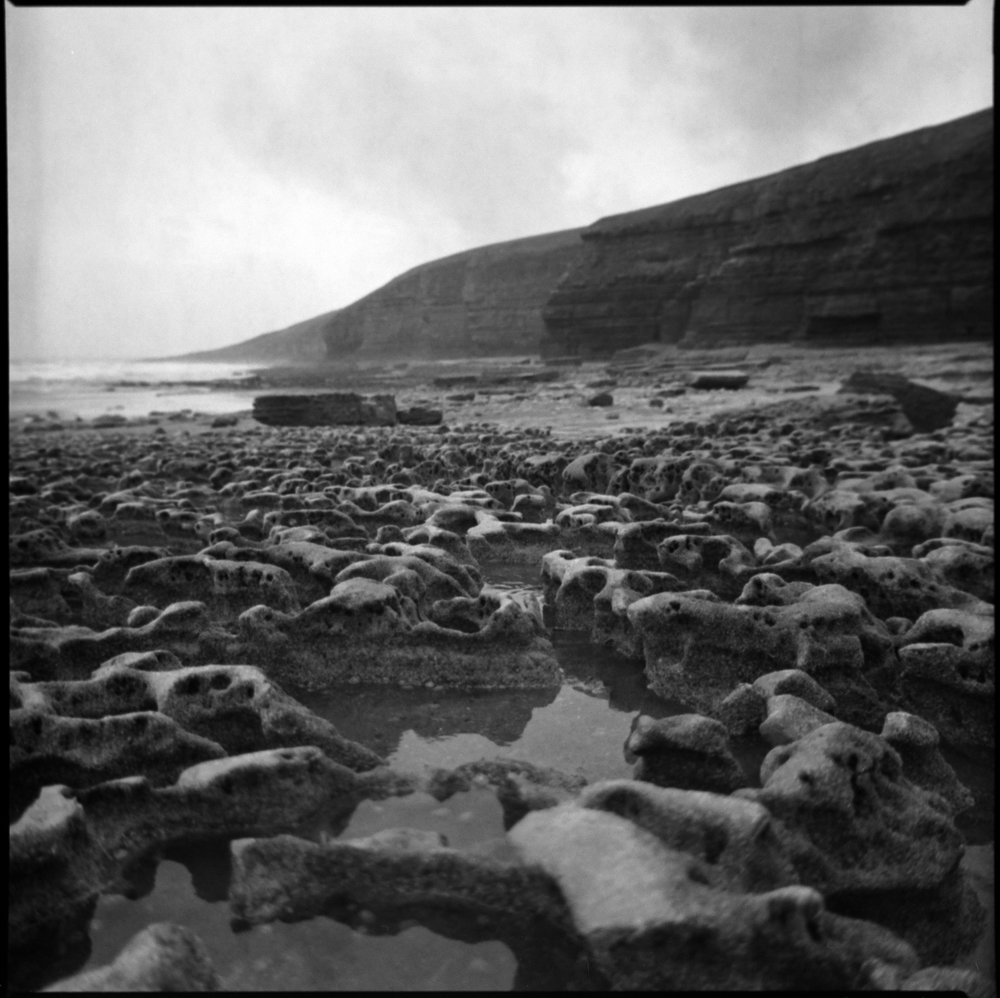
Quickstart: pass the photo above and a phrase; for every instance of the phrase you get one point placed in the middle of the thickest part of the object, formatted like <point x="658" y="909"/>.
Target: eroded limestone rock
<point x="916" y="741"/>
<point x="686" y="751"/>
<point x="362" y="632"/>
<point x="47" y="749"/>
<point x="697" y="650"/>
<point x="866" y="837"/>
<point x="652" y="918"/>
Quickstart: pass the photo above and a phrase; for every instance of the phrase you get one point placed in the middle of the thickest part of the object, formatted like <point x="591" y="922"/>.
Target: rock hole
<point x="716" y="841"/>
<point x="698" y="876"/>
<point x="220" y="681"/>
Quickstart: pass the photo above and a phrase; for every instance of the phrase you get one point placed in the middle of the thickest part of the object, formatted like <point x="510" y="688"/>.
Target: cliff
<point x="300" y="343"/>
<point x="486" y="301"/>
<point x="888" y="242"/>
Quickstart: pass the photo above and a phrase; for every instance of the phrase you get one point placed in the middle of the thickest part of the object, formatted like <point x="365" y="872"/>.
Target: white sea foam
<point x="108" y="371"/>
<point x="89" y="388"/>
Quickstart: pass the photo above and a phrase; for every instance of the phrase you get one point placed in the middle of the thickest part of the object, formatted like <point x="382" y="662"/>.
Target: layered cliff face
<point x="889" y="242"/>
<point x="300" y="343"/>
<point x="486" y="301"/>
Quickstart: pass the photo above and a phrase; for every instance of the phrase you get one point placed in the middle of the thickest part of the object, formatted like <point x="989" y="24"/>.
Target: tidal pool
<point x="580" y="728"/>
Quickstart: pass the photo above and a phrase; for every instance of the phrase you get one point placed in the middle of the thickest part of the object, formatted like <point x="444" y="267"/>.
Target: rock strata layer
<point x="889" y="242"/>
<point x="484" y="302"/>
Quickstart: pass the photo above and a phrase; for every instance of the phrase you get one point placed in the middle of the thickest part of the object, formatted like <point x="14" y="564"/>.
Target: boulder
<point x="926" y="408"/>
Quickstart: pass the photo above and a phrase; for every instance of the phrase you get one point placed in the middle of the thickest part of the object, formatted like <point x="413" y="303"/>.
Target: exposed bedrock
<point x="72" y="844"/>
<point x="889" y="242"/>
<point x="486" y="301"/>
<point x="396" y="874"/>
<point x="655" y="887"/>
<point x="125" y="721"/>
<point x="593" y="594"/>
<point x="226" y="587"/>
<point x="698" y="649"/>
<point x="869" y="840"/>
<point x="369" y="631"/>
<point x="50" y="652"/>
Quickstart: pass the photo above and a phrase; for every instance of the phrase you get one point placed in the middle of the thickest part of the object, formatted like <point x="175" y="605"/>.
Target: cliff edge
<point x="302" y="342"/>
<point x="482" y="302"/>
<point x="888" y="242"/>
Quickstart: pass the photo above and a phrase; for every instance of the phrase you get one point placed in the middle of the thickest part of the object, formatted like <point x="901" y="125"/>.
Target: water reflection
<point x="379" y="716"/>
<point x="315" y="955"/>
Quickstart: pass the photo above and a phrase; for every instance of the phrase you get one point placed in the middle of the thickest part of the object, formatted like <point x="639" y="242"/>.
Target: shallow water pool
<point x="580" y="728"/>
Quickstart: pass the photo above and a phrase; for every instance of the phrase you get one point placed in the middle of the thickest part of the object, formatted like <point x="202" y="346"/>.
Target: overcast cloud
<point x="185" y="178"/>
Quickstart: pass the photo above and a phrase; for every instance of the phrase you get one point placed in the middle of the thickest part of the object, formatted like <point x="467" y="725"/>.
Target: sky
<point x="186" y="178"/>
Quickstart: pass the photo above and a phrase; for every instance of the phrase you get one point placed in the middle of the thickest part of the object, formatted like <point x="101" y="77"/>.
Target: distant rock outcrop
<point x="888" y="242"/>
<point x="483" y="302"/>
<point x="302" y="342"/>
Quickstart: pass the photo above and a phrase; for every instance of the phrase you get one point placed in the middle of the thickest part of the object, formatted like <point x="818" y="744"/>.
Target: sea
<point x="66" y="389"/>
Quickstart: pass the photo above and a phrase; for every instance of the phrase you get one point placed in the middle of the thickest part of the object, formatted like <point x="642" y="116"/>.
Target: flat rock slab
<point x="719" y="379"/>
<point x="327" y="409"/>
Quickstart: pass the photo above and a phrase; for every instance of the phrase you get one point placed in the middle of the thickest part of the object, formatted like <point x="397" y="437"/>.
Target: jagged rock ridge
<point x="888" y="242"/>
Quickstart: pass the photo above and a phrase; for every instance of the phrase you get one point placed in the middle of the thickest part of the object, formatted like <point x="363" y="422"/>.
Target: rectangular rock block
<point x="327" y="409"/>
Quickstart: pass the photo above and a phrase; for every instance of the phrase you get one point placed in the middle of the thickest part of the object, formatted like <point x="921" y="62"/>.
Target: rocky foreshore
<point x="815" y="577"/>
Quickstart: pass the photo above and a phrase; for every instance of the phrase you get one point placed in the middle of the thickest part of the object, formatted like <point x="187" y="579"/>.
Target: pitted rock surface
<point x="686" y="751"/>
<point x="826" y="632"/>
<point x="379" y="551"/>
<point x="861" y="833"/>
